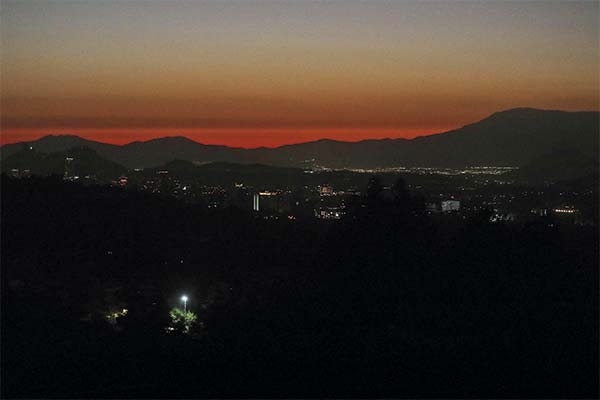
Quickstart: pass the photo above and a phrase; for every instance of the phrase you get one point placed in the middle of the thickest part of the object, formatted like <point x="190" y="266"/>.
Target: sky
<point x="266" y="73"/>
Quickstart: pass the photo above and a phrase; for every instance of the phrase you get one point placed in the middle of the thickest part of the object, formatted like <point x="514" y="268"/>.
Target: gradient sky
<point x="251" y="73"/>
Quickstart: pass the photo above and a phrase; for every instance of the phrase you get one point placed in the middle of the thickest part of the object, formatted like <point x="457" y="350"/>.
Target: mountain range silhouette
<point x="515" y="137"/>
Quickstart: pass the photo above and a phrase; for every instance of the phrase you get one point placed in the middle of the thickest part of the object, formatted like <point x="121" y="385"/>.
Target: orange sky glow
<point x="268" y="73"/>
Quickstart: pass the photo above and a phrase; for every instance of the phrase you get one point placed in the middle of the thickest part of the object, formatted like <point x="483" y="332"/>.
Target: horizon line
<point x="325" y="138"/>
<point x="427" y="133"/>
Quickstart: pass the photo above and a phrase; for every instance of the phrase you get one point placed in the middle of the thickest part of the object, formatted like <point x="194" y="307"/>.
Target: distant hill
<point x="513" y="137"/>
<point x="133" y="155"/>
<point x="78" y="161"/>
<point x="564" y="164"/>
<point x="226" y="174"/>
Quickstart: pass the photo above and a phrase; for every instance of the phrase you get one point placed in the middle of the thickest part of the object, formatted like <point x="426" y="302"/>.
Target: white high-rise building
<point x="256" y="202"/>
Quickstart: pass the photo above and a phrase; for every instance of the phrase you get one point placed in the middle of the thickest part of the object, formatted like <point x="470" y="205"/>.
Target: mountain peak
<point x="526" y="112"/>
<point x="173" y="139"/>
<point x="52" y="137"/>
<point x="164" y="140"/>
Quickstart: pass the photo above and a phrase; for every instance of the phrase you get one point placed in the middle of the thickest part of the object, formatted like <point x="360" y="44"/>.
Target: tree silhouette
<point x="401" y="193"/>
<point x="374" y="189"/>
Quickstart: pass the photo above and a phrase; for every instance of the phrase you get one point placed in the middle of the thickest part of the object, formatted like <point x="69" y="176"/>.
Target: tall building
<point x="256" y="202"/>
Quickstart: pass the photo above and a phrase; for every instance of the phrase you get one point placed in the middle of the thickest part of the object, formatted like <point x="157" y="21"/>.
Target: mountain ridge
<point x="509" y="137"/>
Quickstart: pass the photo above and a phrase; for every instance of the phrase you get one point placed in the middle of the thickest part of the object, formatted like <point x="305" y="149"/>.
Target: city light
<point x="184" y="298"/>
<point x="565" y="210"/>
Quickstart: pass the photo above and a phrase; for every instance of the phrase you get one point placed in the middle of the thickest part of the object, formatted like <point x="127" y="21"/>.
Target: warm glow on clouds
<point x="235" y="69"/>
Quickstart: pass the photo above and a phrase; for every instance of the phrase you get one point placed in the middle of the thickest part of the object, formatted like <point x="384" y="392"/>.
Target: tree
<point x="401" y="193"/>
<point x="374" y="188"/>
<point x="182" y="321"/>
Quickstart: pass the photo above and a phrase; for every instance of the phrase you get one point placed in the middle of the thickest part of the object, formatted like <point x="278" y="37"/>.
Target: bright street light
<point x="184" y="298"/>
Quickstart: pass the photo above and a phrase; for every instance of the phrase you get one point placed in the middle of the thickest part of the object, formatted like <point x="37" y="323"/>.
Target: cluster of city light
<point x="433" y="170"/>
<point x="112" y="317"/>
<point x="565" y="210"/>
<point x="330" y="213"/>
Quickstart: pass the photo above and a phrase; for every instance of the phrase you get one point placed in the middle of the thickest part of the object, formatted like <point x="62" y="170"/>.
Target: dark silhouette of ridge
<point x="561" y="164"/>
<point x="77" y="161"/>
<point x="512" y="137"/>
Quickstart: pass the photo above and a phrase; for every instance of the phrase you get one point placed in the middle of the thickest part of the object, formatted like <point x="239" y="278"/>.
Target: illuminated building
<point x="450" y="205"/>
<point x="326" y="190"/>
<point x="256" y="202"/>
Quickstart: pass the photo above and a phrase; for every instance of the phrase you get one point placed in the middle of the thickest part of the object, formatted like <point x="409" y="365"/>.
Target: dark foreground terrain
<point x="386" y="303"/>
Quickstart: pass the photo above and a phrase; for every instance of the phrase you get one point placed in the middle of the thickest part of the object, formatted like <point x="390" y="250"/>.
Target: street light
<point x="184" y="298"/>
